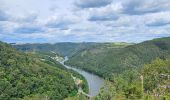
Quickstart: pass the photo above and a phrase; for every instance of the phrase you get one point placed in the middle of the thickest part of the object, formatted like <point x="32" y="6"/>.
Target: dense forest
<point x="63" y="49"/>
<point x="106" y="61"/>
<point x="140" y="71"/>
<point x="26" y="76"/>
<point x="132" y="71"/>
<point x="152" y="82"/>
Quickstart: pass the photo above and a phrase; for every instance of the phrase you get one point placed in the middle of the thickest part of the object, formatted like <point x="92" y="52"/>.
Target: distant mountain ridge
<point x="63" y="49"/>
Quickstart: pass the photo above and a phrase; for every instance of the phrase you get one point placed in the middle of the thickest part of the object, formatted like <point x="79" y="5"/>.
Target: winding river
<point x="95" y="82"/>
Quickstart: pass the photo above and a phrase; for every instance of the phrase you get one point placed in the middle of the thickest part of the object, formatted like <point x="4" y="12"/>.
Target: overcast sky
<point x="53" y="21"/>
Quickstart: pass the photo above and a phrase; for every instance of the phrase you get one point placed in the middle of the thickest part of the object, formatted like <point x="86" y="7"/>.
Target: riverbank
<point x="94" y="82"/>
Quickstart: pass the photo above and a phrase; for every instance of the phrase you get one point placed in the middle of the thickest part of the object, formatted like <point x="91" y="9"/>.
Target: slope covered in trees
<point x="63" y="49"/>
<point x="24" y="76"/>
<point x="152" y="82"/>
<point x="123" y="65"/>
<point x="108" y="61"/>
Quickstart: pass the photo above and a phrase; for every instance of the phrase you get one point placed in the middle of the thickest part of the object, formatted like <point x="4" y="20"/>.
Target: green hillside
<point x="109" y="60"/>
<point x="63" y="49"/>
<point x="150" y="83"/>
<point x="24" y="76"/>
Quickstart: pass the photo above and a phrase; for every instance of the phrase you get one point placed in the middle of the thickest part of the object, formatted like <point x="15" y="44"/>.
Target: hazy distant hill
<point x="106" y="61"/>
<point x="63" y="49"/>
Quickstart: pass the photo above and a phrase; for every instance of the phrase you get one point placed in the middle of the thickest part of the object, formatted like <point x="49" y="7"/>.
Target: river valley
<point x="94" y="82"/>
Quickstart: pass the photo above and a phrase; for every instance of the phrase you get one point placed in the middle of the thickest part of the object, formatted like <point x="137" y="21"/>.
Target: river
<point x="94" y="82"/>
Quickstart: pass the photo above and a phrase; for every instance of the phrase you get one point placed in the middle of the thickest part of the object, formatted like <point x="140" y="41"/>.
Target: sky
<point x="51" y="21"/>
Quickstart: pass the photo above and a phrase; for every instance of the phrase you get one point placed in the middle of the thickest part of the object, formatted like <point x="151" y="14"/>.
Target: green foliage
<point x="84" y="85"/>
<point x="52" y="62"/>
<point x="128" y="85"/>
<point x="109" y="59"/>
<point x="77" y="97"/>
<point x="157" y="78"/>
<point x="25" y="76"/>
<point x="121" y="64"/>
<point x="63" y="49"/>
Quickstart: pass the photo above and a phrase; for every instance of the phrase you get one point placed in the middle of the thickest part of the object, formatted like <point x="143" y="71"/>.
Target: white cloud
<point x="61" y="22"/>
<point x="135" y="7"/>
<point x="95" y="20"/>
<point x="92" y="3"/>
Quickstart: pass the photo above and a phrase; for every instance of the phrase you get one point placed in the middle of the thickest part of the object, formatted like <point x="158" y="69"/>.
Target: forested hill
<point x="107" y="61"/>
<point x="152" y="82"/>
<point x="64" y="49"/>
<point x="22" y="76"/>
